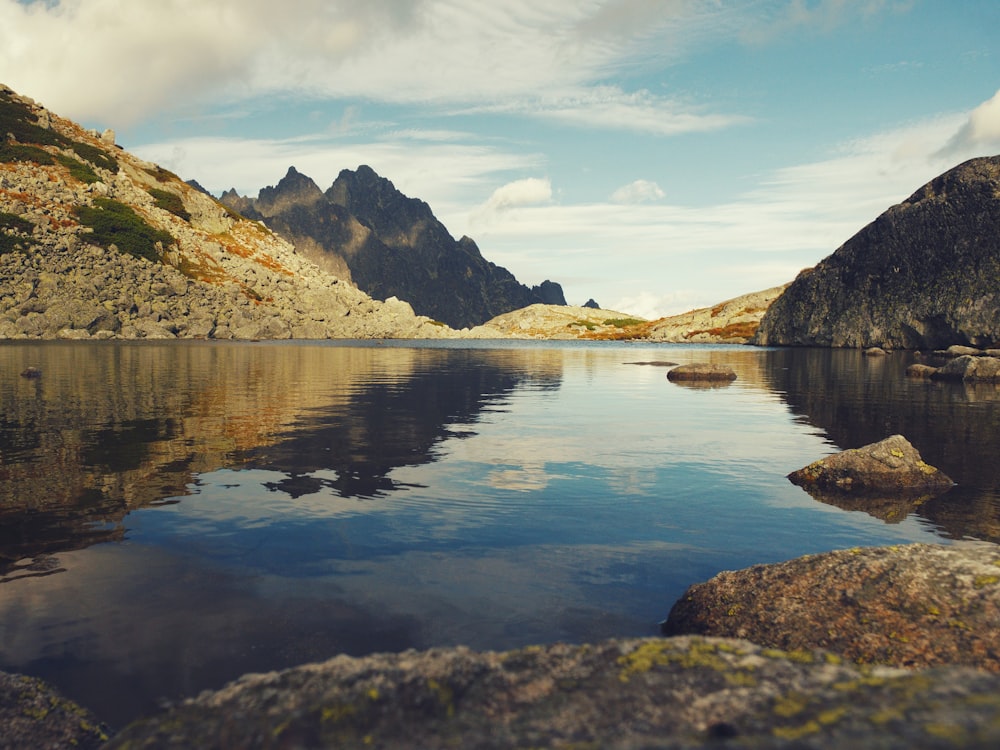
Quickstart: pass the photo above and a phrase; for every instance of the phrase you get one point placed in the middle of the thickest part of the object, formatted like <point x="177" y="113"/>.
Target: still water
<point x="173" y="515"/>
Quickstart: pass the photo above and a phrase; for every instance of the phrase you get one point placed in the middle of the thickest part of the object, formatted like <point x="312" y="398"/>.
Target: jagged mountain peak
<point x="392" y="245"/>
<point x="294" y="187"/>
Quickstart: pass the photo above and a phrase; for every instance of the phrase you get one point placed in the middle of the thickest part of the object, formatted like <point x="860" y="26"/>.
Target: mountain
<point x="365" y="230"/>
<point x="97" y="243"/>
<point x="924" y="275"/>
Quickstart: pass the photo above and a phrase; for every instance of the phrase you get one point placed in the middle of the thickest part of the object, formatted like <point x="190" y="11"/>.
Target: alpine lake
<point x="176" y="514"/>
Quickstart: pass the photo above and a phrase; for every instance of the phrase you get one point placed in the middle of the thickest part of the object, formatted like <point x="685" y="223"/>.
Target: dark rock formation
<point x="33" y="715"/>
<point x="891" y="465"/>
<point x="923" y="275"/>
<point x="652" y="693"/>
<point x="591" y="304"/>
<point x="702" y="371"/>
<point x="913" y="605"/>
<point x="364" y="229"/>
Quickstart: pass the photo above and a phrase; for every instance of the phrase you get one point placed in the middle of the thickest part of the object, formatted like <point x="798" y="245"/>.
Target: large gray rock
<point x="914" y="605"/>
<point x="923" y="275"/>
<point x="645" y="693"/>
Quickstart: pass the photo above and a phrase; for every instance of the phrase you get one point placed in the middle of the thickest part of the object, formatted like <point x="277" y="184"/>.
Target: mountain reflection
<point x="109" y="428"/>
<point x="857" y="400"/>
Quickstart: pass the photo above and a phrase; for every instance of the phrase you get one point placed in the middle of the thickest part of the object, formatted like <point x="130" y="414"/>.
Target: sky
<point x="654" y="155"/>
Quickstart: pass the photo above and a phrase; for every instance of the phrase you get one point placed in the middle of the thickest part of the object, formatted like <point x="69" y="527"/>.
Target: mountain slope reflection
<point x="112" y="427"/>
<point x="392" y="422"/>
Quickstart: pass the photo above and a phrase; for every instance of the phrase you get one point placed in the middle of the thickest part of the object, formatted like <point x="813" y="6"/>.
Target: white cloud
<point x="640" y="191"/>
<point x="119" y="62"/>
<point x="527" y="192"/>
<point x="980" y="133"/>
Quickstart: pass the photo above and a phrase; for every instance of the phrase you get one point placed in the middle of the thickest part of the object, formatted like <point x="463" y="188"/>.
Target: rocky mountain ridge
<point x="366" y="231"/>
<point x="923" y="275"/>
<point x="97" y="243"/>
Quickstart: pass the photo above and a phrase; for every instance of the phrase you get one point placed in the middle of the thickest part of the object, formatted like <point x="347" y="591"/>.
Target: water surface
<point x="175" y="514"/>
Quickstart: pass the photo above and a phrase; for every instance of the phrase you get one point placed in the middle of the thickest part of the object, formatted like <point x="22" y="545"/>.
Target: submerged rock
<point x="888" y="465"/>
<point x="650" y="693"/>
<point x="913" y="605"/>
<point x="702" y="371"/>
<point x="919" y="370"/>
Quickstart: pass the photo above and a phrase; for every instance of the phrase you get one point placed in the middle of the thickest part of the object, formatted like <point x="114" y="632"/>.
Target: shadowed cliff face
<point x="923" y="275"/>
<point x="390" y="246"/>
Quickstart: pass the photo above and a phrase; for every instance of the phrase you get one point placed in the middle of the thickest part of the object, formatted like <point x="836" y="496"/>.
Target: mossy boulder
<point x="915" y="605"/>
<point x="687" y="692"/>
<point x="892" y="465"/>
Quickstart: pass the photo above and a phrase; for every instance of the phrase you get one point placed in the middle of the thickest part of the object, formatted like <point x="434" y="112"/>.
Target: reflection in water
<point x="175" y="514"/>
<point x="858" y="400"/>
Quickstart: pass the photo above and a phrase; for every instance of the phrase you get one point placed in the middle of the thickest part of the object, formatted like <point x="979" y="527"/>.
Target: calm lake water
<point x="173" y="515"/>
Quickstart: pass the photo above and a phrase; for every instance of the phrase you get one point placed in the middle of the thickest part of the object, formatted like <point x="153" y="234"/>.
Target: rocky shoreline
<point x="890" y="647"/>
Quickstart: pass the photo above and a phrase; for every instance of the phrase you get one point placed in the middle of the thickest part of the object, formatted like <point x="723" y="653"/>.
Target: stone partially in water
<point x="919" y="370"/>
<point x="909" y="605"/>
<point x="970" y="369"/>
<point x="891" y="465"/>
<point x="702" y="371"/>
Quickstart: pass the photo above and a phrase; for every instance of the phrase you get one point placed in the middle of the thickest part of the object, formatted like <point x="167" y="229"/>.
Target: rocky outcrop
<point x="562" y="322"/>
<point x="914" y="605"/>
<point x="923" y="275"/>
<point x="651" y="693"/>
<point x="734" y="321"/>
<point x="888" y="466"/>
<point x="364" y="229"/>
<point x="96" y="243"/>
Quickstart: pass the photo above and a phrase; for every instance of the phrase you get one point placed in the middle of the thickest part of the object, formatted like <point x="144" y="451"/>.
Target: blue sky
<point x="656" y="155"/>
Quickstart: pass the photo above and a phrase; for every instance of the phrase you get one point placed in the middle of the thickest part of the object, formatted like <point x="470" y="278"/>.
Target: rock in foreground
<point x="913" y="605"/>
<point x="651" y="693"/>
<point x="891" y="465"/>
<point x="33" y="715"/>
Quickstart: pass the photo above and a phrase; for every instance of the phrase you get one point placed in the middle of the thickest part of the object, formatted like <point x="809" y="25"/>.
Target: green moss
<point x="114" y="223"/>
<point x="171" y="202"/>
<point x="11" y="152"/>
<point x="83" y="172"/>
<point x="94" y="155"/>
<point x="798" y="732"/>
<point x="622" y="322"/>
<point x="982" y="581"/>
<point x="15" y="232"/>
<point x="17" y="119"/>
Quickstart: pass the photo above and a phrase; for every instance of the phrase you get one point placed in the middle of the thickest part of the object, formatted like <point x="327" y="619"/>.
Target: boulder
<point x="918" y="370"/>
<point x="970" y="369"/>
<point x="686" y="692"/>
<point x="891" y="465"/>
<point x="912" y="605"/>
<point x="702" y="371"/>
<point x="957" y="350"/>
<point x="33" y="715"/>
<point x="875" y="351"/>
